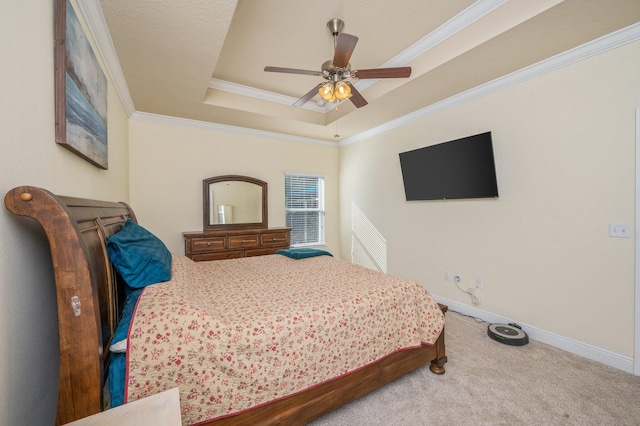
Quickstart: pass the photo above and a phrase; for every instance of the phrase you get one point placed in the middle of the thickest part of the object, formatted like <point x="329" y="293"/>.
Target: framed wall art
<point x="80" y="90"/>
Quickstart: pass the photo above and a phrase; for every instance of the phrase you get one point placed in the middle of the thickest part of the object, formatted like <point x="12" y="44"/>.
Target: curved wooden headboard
<point x="88" y="294"/>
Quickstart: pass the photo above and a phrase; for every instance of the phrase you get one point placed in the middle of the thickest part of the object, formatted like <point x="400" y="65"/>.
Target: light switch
<point x="620" y="230"/>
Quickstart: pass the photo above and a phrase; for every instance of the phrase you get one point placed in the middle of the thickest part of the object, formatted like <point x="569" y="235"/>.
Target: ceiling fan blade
<point x="344" y="48"/>
<point x="306" y="98"/>
<point x="400" y="72"/>
<point x="292" y="71"/>
<point x="356" y="97"/>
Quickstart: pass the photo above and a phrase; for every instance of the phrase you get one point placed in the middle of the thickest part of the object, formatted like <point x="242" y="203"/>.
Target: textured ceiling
<point x="204" y="59"/>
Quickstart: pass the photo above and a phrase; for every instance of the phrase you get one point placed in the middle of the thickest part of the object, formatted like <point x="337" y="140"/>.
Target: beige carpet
<point x="489" y="383"/>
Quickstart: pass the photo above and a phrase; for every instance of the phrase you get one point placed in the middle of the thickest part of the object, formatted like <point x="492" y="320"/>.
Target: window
<point x="304" y="205"/>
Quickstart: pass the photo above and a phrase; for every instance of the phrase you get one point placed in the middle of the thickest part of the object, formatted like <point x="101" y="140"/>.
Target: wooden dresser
<point x="231" y="244"/>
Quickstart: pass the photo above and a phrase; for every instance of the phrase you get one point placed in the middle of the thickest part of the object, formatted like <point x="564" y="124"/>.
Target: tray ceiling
<point x="204" y="60"/>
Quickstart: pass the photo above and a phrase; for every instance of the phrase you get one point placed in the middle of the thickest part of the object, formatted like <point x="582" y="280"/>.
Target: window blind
<point x="304" y="205"/>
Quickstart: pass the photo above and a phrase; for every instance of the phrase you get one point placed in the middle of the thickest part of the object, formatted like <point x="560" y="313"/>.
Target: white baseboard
<point x="612" y="359"/>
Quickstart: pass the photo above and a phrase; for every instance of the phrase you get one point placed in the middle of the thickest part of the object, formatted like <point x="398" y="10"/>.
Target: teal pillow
<point x="303" y="253"/>
<point x="139" y="256"/>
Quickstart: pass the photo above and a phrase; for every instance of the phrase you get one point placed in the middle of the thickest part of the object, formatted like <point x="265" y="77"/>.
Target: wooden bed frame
<point x="88" y="296"/>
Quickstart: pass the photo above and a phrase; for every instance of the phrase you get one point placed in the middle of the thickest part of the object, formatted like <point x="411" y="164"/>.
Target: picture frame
<point x="81" y="90"/>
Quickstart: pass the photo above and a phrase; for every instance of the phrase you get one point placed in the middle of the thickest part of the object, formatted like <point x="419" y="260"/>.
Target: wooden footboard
<point x="88" y="297"/>
<point x="301" y="408"/>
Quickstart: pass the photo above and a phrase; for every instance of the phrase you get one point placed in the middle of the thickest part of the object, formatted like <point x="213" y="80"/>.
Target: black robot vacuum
<point x="509" y="334"/>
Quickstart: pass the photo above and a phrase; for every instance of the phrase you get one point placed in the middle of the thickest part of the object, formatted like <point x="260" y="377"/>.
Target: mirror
<point x="234" y="202"/>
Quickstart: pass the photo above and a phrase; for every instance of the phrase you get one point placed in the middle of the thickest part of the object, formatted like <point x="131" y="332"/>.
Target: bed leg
<point x="437" y="365"/>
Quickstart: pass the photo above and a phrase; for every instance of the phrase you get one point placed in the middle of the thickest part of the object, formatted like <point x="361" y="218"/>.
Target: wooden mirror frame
<point x="232" y="178"/>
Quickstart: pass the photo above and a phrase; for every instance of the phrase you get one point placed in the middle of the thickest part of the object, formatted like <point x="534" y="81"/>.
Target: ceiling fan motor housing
<point x="333" y="73"/>
<point x="335" y="26"/>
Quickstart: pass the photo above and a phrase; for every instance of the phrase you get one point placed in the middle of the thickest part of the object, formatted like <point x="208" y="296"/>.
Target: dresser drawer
<point x="243" y="241"/>
<point x="220" y="255"/>
<point x="261" y="251"/>
<point x="207" y="244"/>
<point x="275" y="239"/>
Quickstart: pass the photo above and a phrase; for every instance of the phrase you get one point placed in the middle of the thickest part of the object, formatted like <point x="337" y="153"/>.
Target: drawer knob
<point x="208" y="244"/>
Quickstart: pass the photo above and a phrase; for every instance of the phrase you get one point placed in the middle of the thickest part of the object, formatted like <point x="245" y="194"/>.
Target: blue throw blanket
<point x="303" y="253"/>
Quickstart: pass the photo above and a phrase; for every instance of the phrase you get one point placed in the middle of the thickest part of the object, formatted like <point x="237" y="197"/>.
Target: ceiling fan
<point x="337" y="70"/>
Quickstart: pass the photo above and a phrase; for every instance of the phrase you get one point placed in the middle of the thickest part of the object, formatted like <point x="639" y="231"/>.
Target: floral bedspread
<point x="236" y="334"/>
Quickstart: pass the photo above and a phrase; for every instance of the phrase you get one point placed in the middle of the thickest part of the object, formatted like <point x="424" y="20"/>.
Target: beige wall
<point x="564" y="147"/>
<point x="169" y="159"/>
<point x="30" y="156"/>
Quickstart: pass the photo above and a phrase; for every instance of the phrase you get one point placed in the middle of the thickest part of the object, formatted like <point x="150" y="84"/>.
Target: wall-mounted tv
<point x="461" y="168"/>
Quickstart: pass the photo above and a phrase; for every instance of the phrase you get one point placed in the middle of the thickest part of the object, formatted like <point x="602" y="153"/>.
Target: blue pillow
<point x="139" y="256"/>
<point x="303" y="253"/>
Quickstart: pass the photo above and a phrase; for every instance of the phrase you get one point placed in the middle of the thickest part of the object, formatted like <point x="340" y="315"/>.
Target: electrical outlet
<point x="478" y="282"/>
<point x="619" y="230"/>
<point x="457" y="279"/>
<point x="447" y="275"/>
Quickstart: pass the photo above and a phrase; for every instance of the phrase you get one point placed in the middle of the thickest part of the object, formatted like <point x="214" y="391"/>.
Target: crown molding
<point x="92" y="14"/>
<point x="240" y="89"/>
<point x="603" y="44"/>
<point x="175" y="121"/>
<point x="462" y="20"/>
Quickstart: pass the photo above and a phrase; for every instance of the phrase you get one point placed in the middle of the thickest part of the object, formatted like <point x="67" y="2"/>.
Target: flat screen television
<point x="461" y="168"/>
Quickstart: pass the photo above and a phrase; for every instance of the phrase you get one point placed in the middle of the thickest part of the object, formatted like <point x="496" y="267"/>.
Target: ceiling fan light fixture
<point x="326" y="92"/>
<point x="342" y="91"/>
<point x="335" y="92"/>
